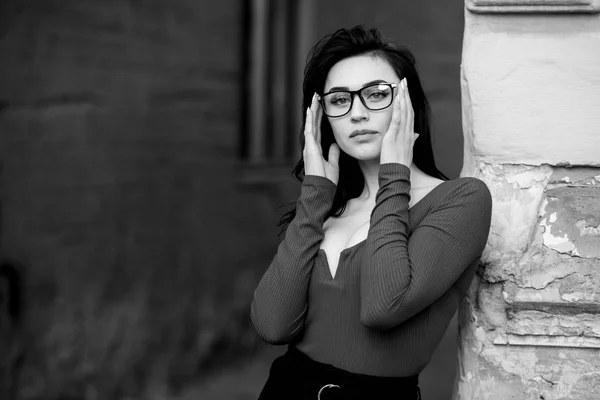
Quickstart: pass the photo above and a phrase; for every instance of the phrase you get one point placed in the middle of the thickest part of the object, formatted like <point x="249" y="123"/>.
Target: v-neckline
<point x="356" y="245"/>
<point x="347" y="249"/>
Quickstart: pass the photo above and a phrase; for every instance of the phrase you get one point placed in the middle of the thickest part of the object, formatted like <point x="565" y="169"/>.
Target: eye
<point x="377" y="93"/>
<point x="338" y="99"/>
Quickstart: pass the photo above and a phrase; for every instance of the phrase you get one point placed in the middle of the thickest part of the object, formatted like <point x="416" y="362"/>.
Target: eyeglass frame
<point x="352" y="95"/>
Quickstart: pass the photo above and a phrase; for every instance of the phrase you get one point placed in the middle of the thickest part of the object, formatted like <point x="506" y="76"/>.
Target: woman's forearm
<point x="280" y="300"/>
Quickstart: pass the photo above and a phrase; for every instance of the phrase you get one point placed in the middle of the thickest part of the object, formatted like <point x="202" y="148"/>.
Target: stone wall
<point x="531" y="88"/>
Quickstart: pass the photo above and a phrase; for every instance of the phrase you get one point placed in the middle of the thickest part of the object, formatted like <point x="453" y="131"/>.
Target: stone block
<point x="533" y="6"/>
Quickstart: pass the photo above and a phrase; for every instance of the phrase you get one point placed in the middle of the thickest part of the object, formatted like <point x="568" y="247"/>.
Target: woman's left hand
<point x="397" y="143"/>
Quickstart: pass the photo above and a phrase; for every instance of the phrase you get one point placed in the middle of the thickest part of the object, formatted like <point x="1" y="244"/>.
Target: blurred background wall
<point x="146" y="148"/>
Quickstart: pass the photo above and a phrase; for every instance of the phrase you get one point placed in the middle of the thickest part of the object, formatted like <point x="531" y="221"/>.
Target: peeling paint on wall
<point x="546" y="295"/>
<point x="571" y="219"/>
<point x="530" y="329"/>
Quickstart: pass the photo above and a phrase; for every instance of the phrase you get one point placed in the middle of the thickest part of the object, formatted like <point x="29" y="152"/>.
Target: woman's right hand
<point x="314" y="162"/>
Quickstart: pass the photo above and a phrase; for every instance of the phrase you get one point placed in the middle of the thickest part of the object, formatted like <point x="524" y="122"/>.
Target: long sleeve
<point x="281" y="299"/>
<point x="402" y="275"/>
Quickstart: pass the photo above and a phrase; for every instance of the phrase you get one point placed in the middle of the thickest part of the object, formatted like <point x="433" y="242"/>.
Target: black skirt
<point x="295" y="376"/>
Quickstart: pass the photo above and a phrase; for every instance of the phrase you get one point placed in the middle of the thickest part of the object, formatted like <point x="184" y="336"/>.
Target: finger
<point x="311" y="144"/>
<point x="410" y="114"/>
<point x="403" y="113"/>
<point x="313" y="108"/>
<point x="396" y="114"/>
<point x="308" y="129"/>
<point x="308" y="123"/>
<point x="318" y="119"/>
<point x="408" y="100"/>
<point x="314" y="105"/>
<point x="334" y="155"/>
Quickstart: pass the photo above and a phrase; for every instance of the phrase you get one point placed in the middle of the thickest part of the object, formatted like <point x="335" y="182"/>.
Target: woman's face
<point x="351" y="74"/>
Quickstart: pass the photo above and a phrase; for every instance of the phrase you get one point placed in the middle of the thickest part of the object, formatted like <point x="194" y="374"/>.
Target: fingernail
<point x="314" y="97"/>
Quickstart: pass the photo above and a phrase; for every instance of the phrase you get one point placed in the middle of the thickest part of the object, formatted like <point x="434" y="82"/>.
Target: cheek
<point x="337" y="127"/>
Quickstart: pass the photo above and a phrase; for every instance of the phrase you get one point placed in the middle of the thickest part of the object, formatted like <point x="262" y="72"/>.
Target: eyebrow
<point x="338" y="88"/>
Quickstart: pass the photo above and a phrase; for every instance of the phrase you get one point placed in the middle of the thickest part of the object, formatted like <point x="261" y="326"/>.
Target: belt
<point x="334" y="383"/>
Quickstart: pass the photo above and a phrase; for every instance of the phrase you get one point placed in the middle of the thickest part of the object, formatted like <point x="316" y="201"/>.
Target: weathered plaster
<point x="524" y="370"/>
<point x="517" y="191"/>
<point x="531" y="293"/>
<point x="571" y="219"/>
<point x="532" y="88"/>
<point x="530" y="329"/>
<point x="534" y="322"/>
<point x="493" y="311"/>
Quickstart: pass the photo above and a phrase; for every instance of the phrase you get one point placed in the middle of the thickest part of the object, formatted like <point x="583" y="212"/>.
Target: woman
<point x="381" y="247"/>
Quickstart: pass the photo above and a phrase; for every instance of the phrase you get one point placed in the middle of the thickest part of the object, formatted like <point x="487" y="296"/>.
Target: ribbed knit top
<point x="393" y="294"/>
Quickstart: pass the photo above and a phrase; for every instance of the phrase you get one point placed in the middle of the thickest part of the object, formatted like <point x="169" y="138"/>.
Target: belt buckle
<point x="328" y="386"/>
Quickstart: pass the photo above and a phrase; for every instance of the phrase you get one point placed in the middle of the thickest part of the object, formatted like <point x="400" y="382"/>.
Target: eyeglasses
<point x="374" y="97"/>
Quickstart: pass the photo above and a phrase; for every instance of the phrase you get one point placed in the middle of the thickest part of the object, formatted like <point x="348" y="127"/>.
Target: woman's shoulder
<point x="465" y="190"/>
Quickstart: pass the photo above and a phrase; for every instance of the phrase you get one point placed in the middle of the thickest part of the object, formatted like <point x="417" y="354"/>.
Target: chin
<point x="364" y="155"/>
<point x="367" y="158"/>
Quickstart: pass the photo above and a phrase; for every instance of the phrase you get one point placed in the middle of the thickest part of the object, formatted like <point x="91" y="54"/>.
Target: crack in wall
<point x="539" y="378"/>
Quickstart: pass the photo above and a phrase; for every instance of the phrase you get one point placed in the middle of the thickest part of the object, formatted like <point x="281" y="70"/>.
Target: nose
<point x="358" y="112"/>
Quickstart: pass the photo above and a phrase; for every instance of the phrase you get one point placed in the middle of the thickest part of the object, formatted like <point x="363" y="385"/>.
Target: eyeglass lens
<point x="375" y="97"/>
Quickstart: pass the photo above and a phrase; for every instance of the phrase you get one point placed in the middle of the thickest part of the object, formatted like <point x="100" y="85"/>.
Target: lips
<point x="362" y="132"/>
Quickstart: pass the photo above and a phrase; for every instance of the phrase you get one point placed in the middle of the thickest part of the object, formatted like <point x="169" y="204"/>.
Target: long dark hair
<point x="328" y="51"/>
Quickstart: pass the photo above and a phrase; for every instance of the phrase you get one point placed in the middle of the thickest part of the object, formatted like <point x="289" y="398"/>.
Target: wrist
<point x="398" y="156"/>
<point x="395" y="160"/>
